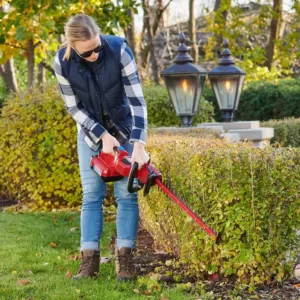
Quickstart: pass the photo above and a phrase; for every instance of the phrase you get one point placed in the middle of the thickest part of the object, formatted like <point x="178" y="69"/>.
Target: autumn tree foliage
<point x="33" y="29"/>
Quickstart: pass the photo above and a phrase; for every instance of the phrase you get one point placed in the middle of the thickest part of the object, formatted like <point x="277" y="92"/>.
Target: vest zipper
<point x="115" y="120"/>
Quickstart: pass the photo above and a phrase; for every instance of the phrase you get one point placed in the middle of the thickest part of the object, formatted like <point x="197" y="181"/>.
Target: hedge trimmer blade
<point x="195" y="217"/>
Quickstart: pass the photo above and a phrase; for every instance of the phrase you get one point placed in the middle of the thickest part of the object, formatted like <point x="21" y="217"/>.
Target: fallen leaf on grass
<point x="74" y="229"/>
<point x="73" y="257"/>
<point x="146" y="292"/>
<point x="53" y="245"/>
<point x="23" y="281"/>
<point x="69" y="274"/>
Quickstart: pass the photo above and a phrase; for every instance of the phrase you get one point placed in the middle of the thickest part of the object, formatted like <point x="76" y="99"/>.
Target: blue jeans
<point x="94" y="191"/>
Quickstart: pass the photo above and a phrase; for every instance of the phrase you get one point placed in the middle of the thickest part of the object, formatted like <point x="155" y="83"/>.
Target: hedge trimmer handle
<point x="131" y="186"/>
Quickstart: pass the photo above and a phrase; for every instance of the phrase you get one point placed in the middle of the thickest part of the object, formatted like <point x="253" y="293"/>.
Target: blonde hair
<point x="79" y="28"/>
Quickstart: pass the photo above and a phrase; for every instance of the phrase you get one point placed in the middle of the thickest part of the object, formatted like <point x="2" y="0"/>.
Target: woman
<point x="100" y="85"/>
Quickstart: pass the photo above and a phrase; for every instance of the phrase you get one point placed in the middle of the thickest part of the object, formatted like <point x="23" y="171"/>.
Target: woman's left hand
<point x="139" y="154"/>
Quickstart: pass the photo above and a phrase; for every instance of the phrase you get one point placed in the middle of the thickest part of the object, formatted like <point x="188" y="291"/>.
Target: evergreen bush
<point x="286" y="132"/>
<point x="265" y="100"/>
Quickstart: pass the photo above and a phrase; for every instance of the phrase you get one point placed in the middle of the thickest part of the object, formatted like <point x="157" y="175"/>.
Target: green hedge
<point x="264" y="100"/>
<point x="251" y="196"/>
<point x="286" y="132"/>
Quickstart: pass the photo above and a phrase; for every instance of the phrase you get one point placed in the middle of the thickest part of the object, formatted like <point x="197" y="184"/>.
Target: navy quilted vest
<point x="99" y="85"/>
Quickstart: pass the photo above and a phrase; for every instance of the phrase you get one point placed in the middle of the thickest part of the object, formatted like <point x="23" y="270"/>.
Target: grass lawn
<point x="37" y="252"/>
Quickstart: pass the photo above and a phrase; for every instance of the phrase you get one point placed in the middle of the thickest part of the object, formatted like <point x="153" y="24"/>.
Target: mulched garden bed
<point x="5" y="203"/>
<point x="148" y="259"/>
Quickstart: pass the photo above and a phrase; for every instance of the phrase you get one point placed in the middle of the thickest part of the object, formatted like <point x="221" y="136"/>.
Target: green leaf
<point x="20" y="33"/>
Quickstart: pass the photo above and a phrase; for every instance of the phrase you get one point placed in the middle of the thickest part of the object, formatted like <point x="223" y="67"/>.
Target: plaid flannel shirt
<point x="133" y="90"/>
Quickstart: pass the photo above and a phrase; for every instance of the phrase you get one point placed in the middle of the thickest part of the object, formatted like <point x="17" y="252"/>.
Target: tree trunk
<point x="7" y="71"/>
<point x="221" y="11"/>
<point x="192" y="32"/>
<point x="30" y="64"/>
<point x="41" y="77"/>
<point x="150" y="41"/>
<point x="274" y="31"/>
<point x="217" y="5"/>
<point x="145" y="47"/>
<point x="159" y="12"/>
<point x="130" y="33"/>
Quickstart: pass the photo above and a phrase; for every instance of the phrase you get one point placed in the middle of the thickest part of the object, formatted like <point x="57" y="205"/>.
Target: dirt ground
<point x="148" y="259"/>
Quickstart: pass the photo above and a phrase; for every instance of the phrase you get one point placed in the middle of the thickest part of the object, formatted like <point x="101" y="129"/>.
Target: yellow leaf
<point x="23" y="281"/>
<point x="53" y="245"/>
<point x="69" y="275"/>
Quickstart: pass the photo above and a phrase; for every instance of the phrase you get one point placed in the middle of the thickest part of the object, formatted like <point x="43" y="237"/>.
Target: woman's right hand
<point x="108" y="143"/>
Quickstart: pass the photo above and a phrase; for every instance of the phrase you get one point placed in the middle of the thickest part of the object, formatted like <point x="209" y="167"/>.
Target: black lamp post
<point x="184" y="82"/>
<point x="227" y="82"/>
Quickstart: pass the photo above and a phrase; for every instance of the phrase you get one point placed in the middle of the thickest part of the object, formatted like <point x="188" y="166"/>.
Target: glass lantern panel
<point x="199" y="90"/>
<point x="182" y="91"/>
<point x="225" y="88"/>
<point x="241" y="83"/>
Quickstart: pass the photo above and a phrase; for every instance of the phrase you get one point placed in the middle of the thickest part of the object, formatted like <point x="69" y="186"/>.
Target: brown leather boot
<point x="89" y="264"/>
<point x="124" y="264"/>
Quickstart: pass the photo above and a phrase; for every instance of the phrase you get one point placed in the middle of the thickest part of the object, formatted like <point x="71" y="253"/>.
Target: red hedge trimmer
<point x="114" y="167"/>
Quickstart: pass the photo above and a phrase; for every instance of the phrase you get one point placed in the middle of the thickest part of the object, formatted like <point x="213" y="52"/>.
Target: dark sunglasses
<point x="87" y="54"/>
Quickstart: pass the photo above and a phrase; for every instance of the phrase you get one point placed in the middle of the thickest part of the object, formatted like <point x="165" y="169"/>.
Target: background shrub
<point x="38" y="151"/>
<point x="162" y="113"/>
<point x="264" y="100"/>
<point x="286" y="132"/>
<point x="251" y="196"/>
